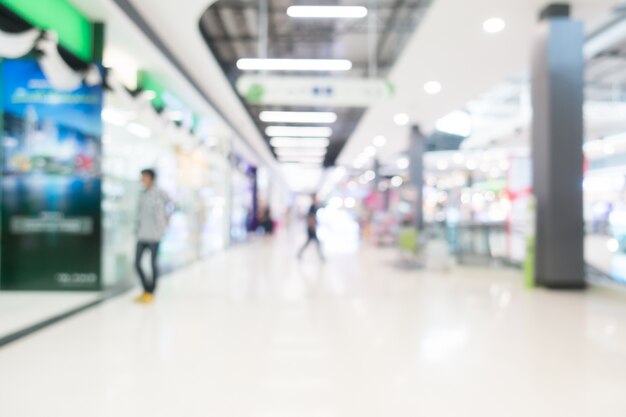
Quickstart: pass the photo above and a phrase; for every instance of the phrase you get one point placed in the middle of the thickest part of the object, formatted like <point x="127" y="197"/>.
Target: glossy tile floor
<point x="253" y="332"/>
<point x="19" y="310"/>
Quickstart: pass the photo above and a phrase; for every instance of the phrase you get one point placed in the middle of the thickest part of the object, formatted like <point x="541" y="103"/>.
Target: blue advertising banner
<point x="51" y="182"/>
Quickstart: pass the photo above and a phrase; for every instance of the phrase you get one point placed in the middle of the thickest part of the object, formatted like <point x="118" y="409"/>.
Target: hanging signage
<point x="313" y="91"/>
<point x="51" y="182"/>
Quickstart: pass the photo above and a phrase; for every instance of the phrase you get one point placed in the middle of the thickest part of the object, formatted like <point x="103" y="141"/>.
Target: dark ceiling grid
<point x="293" y="38"/>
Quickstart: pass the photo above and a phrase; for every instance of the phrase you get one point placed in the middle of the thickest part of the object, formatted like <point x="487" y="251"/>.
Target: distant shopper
<point x="267" y="222"/>
<point x="311" y="222"/>
<point x="152" y="221"/>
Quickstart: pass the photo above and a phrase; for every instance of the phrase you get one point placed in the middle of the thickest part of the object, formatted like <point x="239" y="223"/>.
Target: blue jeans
<point x="149" y="286"/>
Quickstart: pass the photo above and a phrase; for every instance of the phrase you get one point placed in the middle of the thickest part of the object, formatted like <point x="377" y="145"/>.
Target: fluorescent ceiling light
<point x="456" y="123"/>
<point x="494" y="25"/>
<point x="401" y="119"/>
<point x="297" y="117"/>
<point x="299" y="165"/>
<point x="139" y="130"/>
<point x="329" y="12"/>
<point x="300" y="151"/>
<point x="308" y="131"/>
<point x="290" y="142"/>
<point x="117" y="117"/>
<point x="302" y="157"/>
<point x="432" y="87"/>
<point x="257" y="64"/>
<point x="308" y="160"/>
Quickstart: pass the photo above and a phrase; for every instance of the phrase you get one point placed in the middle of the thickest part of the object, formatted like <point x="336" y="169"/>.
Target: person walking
<point x="152" y="220"/>
<point x="311" y="221"/>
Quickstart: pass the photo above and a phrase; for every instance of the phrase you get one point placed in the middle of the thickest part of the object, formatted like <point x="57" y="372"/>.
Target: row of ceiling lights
<point x="308" y="144"/>
<point x="303" y="144"/>
<point x="299" y="144"/>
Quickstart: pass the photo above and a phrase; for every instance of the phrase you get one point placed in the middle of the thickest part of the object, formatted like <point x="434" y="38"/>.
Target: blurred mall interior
<point x="457" y="170"/>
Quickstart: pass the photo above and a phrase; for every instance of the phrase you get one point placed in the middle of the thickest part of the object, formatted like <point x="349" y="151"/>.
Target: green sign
<point x="74" y="30"/>
<point x="255" y="94"/>
<point x="164" y="98"/>
<point x="150" y="82"/>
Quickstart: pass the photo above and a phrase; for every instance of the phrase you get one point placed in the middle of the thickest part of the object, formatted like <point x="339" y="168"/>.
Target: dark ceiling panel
<point x="301" y="38"/>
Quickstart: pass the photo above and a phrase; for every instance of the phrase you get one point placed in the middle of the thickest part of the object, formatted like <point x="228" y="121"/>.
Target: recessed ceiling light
<point x="494" y="25"/>
<point x="297" y="117"/>
<point x="297" y="131"/>
<point x="433" y="87"/>
<point x="401" y="119"/>
<point x="403" y="163"/>
<point x="329" y="12"/>
<point x="397" y="181"/>
<point x="369" y="151"/>
<point x="380" y="141"/>
<point x="257" y="64"/>
<point x="369" y="175"/>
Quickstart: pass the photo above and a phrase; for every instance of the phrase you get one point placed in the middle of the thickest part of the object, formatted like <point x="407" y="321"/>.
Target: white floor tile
<point x="19" y="310"/>
<point x="255" y="333"/>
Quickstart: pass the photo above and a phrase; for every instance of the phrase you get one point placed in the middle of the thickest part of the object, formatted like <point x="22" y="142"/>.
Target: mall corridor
<point x="254" y="332"/>
<point x="457" y="170"/>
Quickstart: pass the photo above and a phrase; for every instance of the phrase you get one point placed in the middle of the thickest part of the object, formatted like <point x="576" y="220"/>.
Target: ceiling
<point x="467" y="61"/>
<point x="449" y="46"/>
<point x="232" y="30"/>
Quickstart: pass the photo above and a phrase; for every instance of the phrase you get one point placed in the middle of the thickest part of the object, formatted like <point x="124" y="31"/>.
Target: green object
<point x="255" y="94"/>
<point x="75" y="30"/>
<point x="164" y="97"/>
<point x="529" y="263"/>
<point x="407" y="239"/>
<point x="99" y="37"/>
<point x="150" y="82"/>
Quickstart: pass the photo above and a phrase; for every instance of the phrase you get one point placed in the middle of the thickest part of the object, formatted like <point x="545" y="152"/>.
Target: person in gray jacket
<point x="152" y="220"/>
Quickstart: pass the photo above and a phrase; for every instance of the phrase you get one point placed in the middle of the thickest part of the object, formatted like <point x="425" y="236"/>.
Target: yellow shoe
<point x="145" y="298"/>
<point x="140" y="298"/>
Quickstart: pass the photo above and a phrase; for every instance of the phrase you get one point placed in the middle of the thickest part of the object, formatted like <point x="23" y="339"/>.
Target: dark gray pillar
<point x="417" y="147"/>
<point x="376" y="169"/>
<point x="557" y="142"/>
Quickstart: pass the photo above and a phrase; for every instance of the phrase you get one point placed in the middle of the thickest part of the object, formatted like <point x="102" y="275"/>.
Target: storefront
<point x="75" y="140"/>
